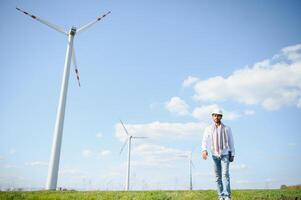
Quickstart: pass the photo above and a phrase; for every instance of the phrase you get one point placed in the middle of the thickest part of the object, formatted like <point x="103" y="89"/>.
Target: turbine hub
<point x="73" y="31"/>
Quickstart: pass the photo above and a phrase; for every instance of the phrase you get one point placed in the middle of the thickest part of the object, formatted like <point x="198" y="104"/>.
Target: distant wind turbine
<point x="128" y="141"/>
<point x="58" y="130"/>
<point x="188" y="156"/>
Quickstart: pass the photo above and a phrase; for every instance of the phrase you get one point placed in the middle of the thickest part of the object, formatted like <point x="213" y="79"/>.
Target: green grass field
<point x="154" y="195"/>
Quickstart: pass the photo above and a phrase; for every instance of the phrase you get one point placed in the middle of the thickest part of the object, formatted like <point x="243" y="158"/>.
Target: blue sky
<point x="160" y="67"/>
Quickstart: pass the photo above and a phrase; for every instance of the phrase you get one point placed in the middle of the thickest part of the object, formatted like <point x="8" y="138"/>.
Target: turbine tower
<point x="128" y="141"/>
<point x="53" y="167"/>
<point x="188" y="156"/>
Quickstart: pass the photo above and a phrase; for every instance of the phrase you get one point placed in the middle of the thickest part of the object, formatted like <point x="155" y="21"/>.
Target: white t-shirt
<point x="207" y="141"/>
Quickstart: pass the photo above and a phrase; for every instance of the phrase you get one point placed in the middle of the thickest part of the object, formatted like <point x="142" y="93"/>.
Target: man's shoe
<point x="227" y="198"/>
<point x="221" y="198"/>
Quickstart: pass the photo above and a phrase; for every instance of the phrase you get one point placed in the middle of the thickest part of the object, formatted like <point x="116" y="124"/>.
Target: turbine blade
<point x="92" y="23"/>
<point x="181" y="156"/>
<point x="75" y="66"/>
<point x="124" y="128"/>
<point x="53" y="26"/>
<point x="193" y="149"/>
<point x="192" y="165"/>
<point x="123" y="146"/>
<point x="139" y="137"/>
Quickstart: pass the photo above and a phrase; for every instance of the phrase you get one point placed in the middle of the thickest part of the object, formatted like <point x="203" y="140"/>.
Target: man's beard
<point x="217" y="121"/>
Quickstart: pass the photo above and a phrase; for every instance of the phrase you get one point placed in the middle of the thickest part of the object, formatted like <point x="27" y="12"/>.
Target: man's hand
<point x="231" y="159"/>
<point x="204" y="154"/>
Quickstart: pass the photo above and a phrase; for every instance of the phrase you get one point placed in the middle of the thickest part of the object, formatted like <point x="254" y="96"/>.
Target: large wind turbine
<point x="59" y="124"/>
<point x="188" y="156"/>
<point x="128" y="141"/>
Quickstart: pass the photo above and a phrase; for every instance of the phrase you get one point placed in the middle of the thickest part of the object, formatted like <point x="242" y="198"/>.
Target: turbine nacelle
<point x="72" y="31"/>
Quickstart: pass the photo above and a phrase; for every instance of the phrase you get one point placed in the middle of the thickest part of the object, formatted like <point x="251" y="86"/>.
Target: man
<point x="218" y="138"/>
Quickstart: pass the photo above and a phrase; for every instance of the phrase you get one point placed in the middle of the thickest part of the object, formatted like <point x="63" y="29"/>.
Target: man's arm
<point x="205" y="144"/>
<point x="231" y="142"/>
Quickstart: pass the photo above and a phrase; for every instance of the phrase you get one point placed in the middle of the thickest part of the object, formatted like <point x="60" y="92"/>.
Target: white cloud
<point x="237" y="167"/>
<point x="264" y="63"/>
<point x="249" y="112"/>
<point x="204" y="113"/>
<point x="204" y="174"/>
<point x="269" y="180"/>
<point x="105" y="152"/>
<point x="243" y="182"/>
<point x="292" y="52"/>
<point x="36" y="163"/>
<point x="114" y="174"/>
<point x="270" y="83"/>
<point x="12" y="151"/>
<point x="8" y="166"/>
<point x="87" y="153"/>
<point x="177" y="105"/>
<point x="190" y="81"/>
<point x="155" y="130"/>
<point x="1" y="157"/>
<point x="99" y="135"/>
<point x="71" y="171"/>
<point x="299" y="103"/>
<point x="154" y="155"/>
<point x="231" y="116"/>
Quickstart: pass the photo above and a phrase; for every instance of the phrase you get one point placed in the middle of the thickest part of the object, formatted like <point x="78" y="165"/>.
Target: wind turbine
<point x="188" y="156"/>
<point x="59" y="124"/>
<point x="128" y="141"/>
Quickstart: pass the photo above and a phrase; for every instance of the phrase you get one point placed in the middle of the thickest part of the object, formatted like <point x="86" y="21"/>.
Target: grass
<point x="153" y="195"/>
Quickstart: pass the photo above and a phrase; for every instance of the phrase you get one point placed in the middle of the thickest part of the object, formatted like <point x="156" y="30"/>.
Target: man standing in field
<point x="218" y="138"/>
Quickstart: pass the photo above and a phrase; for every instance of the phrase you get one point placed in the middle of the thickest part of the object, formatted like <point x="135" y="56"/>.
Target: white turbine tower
<point x="58" y="130"/>
<point x="128" y="141"/>
<point x="188" y="156"/>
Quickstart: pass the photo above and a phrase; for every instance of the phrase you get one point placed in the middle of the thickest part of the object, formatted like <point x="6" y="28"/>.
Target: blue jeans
<point x="221" y="169"/>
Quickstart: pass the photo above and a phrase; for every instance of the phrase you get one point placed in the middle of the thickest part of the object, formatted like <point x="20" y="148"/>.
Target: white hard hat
<point x="217" y="111"/>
